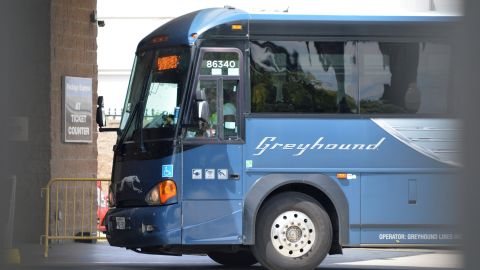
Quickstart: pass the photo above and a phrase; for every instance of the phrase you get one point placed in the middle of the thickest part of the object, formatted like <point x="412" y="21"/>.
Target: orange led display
<point x="167" y="62"/>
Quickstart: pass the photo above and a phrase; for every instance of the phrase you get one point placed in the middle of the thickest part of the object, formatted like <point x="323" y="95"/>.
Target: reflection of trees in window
<point x="400" y="93"/>
<point x="268" y="71"/>
<point x="330" y="55"/>
<point x="294" y="77"/>
<point x="321" y="77"/>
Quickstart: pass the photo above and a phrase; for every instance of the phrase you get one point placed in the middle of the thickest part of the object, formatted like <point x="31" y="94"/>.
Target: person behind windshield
<point x="162" y="120"/>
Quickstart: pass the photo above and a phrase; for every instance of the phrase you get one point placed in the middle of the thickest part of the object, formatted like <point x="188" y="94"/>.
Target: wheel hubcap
<point x="293" y="234"/>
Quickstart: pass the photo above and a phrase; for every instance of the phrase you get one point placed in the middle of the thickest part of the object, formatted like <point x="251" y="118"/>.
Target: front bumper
<point x="137" y="227"/>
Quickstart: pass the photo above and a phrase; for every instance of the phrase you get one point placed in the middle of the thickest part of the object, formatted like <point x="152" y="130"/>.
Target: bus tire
<point x="292" y="231"/>
<point x="240" y="258"/>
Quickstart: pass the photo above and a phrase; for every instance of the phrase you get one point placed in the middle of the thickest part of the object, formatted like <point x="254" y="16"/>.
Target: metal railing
<point x="74" y="202"/>
<point x="113" y="113"/>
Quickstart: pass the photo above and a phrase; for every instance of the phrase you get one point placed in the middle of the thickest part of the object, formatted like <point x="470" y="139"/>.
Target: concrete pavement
<point x="102" y="256"/>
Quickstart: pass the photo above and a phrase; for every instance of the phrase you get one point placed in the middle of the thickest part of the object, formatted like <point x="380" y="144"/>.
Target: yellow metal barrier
<point x="75" y="217"/>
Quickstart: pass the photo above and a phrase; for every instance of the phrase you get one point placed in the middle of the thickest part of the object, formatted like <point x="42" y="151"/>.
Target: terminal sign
<point x="77" y="105"/>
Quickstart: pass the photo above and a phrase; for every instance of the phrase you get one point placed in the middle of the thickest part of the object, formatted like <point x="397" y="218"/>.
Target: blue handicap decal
<point x="167" y="170"/>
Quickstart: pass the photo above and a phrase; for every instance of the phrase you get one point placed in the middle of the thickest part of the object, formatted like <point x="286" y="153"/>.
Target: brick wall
<point x="73" y="53"/>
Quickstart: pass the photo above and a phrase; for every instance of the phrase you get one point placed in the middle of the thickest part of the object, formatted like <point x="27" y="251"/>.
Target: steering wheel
<point x="160" y="120"/>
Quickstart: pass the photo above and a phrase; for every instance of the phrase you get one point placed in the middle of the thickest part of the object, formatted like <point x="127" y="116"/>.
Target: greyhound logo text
<point x="270" y="143"/>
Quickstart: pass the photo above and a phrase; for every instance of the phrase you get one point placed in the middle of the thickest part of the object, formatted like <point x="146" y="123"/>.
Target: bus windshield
<point x="154" y="93"/>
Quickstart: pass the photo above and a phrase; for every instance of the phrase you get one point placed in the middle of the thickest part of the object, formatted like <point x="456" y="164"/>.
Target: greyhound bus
<point x="281" y="138"/>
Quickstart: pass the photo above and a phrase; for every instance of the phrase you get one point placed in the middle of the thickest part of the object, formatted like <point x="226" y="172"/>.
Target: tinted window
<point x="324" y="77"/>
<point x="405" y="78"/>
<point x="303" y="77"/>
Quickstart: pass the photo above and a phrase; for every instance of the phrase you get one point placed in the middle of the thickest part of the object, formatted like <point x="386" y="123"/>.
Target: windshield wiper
<point x="127" y="125"/>
<point x="140" y="125"/>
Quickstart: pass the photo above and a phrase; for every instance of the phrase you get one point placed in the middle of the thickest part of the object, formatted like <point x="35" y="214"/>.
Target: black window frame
<point x="219" y="138"/>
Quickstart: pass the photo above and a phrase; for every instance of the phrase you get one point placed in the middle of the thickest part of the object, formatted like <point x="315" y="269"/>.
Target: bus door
<point x="212" y="151"/>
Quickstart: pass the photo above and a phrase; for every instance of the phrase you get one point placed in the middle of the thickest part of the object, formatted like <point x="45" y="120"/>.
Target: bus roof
<point x="217" y="23"/>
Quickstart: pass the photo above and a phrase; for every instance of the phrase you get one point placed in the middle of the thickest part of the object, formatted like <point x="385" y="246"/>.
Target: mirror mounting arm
<point x="102" y="129"/>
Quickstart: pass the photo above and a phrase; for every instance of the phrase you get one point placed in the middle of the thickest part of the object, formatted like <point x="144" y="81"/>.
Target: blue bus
<point x="281" y="138"/>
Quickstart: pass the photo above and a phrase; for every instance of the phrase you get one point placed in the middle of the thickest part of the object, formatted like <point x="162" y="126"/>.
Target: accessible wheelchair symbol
<point x="167" y="170"/>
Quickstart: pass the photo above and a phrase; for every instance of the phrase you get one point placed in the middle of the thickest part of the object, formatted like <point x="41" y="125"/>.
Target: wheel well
<point x="322" y="200"/>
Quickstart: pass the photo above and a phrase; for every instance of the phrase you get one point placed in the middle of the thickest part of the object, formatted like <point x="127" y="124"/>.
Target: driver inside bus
<point x="162" y="120"/>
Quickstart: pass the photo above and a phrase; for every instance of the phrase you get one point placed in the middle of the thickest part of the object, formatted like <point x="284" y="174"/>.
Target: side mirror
<point x="200" y="95"/>
<point x="201" y="109"/>
<point x="101" y="120"/>
<point x="201" y="112"/>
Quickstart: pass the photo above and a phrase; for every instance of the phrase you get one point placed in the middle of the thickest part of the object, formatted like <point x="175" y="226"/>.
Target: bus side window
<point x="303" y="77"/>
<point x="404" y="77"/>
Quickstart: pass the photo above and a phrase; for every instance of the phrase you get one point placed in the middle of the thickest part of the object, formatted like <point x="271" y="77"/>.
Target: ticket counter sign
<point x="77" y="109"/>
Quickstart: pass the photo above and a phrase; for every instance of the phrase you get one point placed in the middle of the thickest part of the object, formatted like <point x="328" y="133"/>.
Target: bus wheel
<point x="240" y="258"/>
<point x="292" y="231"/>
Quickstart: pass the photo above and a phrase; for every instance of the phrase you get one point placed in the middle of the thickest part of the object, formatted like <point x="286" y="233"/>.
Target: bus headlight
<point x="162" y="193"/>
